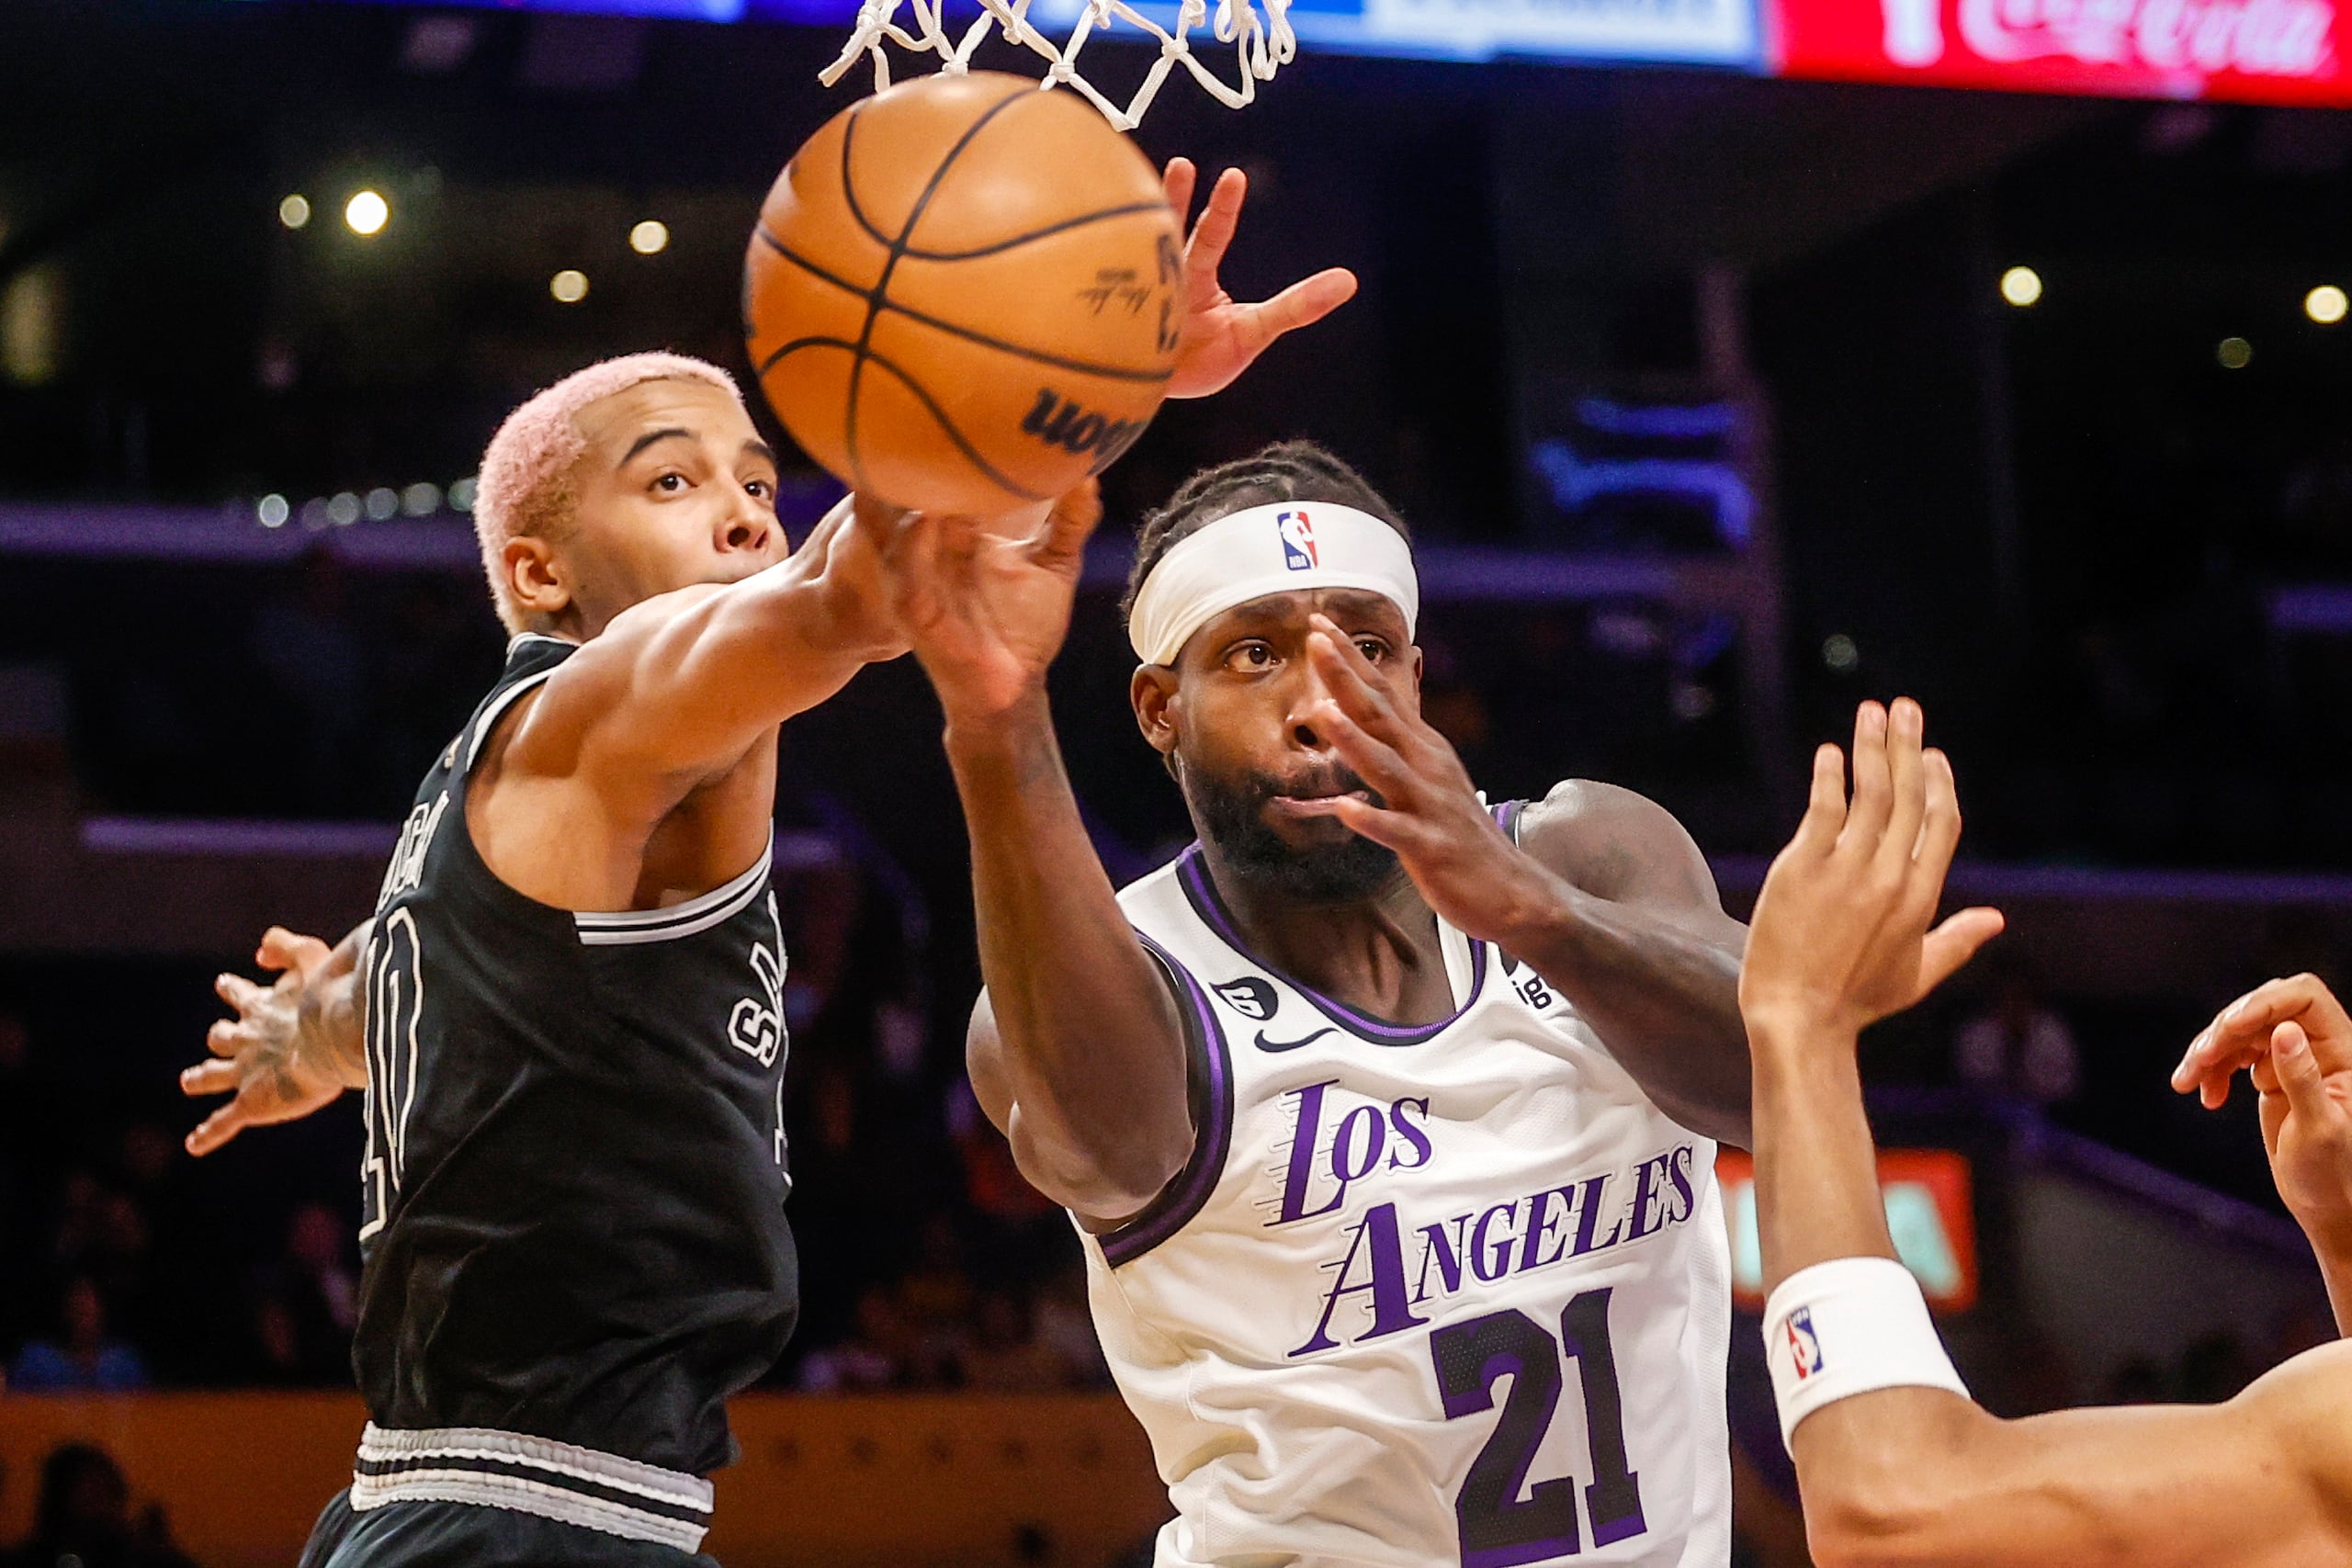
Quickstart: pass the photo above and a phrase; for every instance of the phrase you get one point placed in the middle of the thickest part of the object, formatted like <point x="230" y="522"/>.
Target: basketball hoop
<point x="1263" y="44"/>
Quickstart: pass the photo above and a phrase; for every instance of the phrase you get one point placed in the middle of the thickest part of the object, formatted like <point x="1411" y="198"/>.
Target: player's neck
<point x="1380" y="954"/>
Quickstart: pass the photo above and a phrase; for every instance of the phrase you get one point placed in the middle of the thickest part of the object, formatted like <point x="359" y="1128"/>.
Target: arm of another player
<point x="294" y="1045"/>
<point x="1914" y="1475"/>
<point x="680" y="686"/>
<point x="2294" y="1037"/>
<point x="1605" y="896"/>
<point x="1076" y="1050"/>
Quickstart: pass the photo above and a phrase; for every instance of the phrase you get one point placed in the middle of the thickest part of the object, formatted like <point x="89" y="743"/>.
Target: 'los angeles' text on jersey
<point x="1451" y="1292"/>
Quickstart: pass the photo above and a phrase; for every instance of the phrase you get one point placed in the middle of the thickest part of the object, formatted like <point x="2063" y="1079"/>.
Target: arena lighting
<point x="1840" y="653"/>
<point x="2021" y="286"/>
<point x="273" y="512"/>
<point x="343" y="509"/>
<point x="367" y="212"/>
<point x="421" y="500"/>
<point x="295" y="210"/>
<point x="649" y="238"/>
<point x="2326" y="304"/>
<point x="383" y="503"/>
<point x="569" y="287"/>
<point x="461" y="494"/>
<point x="2234" y="353"/>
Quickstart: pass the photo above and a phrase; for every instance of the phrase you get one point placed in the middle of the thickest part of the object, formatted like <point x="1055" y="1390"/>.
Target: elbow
<point x="1110" y="1178"/>
<point x="1882" y="1520"/>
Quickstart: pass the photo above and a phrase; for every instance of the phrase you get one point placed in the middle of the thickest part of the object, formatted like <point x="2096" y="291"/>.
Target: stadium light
<point x="2234" y="353"/>
<point x="2326" y="304"/>
<point x="367" y="213"/>
<point x="2021" y="286"/>
<point x="649" y="238"/>
<point x="569" y="287"/>
<point x="295" y="210"/>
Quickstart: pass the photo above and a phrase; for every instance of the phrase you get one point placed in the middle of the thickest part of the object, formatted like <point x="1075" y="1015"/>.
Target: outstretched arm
<point x="1604" y="896"/>
<point x="1916" y="1475"/>
<point x="679" y="687"/>
<point x="293" y="1046"/>
<point x="1076" y="1051"/>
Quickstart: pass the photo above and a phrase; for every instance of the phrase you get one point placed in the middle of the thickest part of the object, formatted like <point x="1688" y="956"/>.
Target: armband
<point x="1851" y="1326"/>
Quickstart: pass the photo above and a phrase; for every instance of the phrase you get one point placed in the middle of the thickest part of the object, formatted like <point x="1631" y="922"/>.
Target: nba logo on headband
<point x="1298" y="540"/>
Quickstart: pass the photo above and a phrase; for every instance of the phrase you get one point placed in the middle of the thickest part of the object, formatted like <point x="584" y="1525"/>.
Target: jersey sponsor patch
<point x="1249" y="997"/>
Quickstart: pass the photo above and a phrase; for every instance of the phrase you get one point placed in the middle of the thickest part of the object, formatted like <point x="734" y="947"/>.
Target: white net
<point x="1261" y="44"/>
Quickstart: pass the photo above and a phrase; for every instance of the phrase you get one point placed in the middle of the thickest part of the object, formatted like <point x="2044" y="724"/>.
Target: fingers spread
<point x="1204" y="251"/>
<point x="1954" y="942"/>
<point x="1874" y="788"/>
<point x="1073" y="520"/>
<point x="216" y="1130"/>
<point x="209" y="1078"/>
<point x="1177" y="182"/>
<point x="1824" y="810"/>
<point x="237" y="991"/>
<point x="2299" y="1078"/>
<point x="1379" y="764"/>
<point x="1303" y="304"/>
<point x="1389" y="828"/>
<point x="1906" y="776"/>
<point x="227" y="1037"/>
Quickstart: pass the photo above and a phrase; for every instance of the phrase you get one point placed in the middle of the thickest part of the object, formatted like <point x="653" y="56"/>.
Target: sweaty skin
<point x="1075" y="1048"/>
<point x="1842" y="938"/>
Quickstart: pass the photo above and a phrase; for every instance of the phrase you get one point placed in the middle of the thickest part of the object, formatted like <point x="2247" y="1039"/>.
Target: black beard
<point x="1344" y="873"/>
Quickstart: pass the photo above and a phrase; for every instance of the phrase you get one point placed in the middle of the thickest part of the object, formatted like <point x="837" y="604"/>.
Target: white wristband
<point x="1851" y="1326"/>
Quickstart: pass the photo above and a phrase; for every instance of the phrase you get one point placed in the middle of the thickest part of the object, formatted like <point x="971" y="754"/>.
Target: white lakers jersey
<point x="1456" y="1293"/>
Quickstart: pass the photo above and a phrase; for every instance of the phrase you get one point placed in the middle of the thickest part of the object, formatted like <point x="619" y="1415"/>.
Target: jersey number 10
<point x="1498" y="1528"/>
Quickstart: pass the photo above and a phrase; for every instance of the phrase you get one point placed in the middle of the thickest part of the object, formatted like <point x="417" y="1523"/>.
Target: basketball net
<point x="1262" y="45"/>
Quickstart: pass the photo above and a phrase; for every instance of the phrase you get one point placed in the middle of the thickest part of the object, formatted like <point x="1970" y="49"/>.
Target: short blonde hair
<point x="525" y="490"/>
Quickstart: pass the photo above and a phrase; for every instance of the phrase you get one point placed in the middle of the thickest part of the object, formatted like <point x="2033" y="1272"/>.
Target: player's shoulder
<point x="1614" y="842"/>
<point x="2295" y="1413"/>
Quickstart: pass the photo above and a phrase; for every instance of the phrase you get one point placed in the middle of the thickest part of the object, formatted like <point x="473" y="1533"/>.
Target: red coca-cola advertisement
<point x="2275" y="52"/>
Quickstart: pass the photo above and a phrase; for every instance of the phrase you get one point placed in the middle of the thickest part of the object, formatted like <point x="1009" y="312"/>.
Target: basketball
<point x="964" y="294"/>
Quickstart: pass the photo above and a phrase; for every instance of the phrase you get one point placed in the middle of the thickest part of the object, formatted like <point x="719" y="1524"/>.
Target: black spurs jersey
<point x="572" y="1221"/>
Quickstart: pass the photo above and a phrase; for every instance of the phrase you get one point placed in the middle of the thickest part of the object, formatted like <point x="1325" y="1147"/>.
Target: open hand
<point x="273" y="1055"/>
<point x="1470" y="872"/>
<point x="986" y="604"/>
<point x="1220" y="336"/>
<point x="2295" y="1041"/>
<point x="1842" y="936"/>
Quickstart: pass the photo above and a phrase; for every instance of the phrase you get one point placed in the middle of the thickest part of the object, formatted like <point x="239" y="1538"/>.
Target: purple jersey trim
<point x="1183" y="1198"/>
<point x="1192" y="875"/>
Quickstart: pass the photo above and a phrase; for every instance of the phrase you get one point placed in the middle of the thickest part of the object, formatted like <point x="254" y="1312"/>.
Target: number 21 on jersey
<point x="1500" y="1528"/>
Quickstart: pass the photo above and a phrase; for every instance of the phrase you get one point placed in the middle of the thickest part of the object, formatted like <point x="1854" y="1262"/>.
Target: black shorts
<point x="468" y="1535"/>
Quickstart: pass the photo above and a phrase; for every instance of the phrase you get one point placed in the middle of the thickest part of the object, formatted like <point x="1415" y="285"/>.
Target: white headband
<point x="1285" y="546"/>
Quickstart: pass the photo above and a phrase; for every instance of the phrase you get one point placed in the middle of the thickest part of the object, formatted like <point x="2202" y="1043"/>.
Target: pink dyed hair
<point x="524" y="488"/>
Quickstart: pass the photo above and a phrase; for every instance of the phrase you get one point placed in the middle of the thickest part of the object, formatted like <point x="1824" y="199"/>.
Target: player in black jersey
<point x="566" y="1010"/>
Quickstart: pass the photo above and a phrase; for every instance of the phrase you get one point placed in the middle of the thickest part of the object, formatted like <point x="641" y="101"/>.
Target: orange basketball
<point x="964" y="294"/>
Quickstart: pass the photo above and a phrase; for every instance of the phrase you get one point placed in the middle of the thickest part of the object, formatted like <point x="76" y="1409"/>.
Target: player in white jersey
<point x="1389" y="1119"/>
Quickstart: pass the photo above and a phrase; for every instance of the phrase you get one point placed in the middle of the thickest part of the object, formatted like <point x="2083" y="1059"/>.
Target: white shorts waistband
<point x="532" y="1475"/>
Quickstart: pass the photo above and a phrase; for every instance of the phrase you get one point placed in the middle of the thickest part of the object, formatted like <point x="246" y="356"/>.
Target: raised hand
<point x="1842" y="936"/>
<point x="2295" y="1039"/>
<point x="1429" y="812"/>
<point x="1220" y="336"/>
<point x="986" y="604"/>
<point x="293" y="1046"/>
